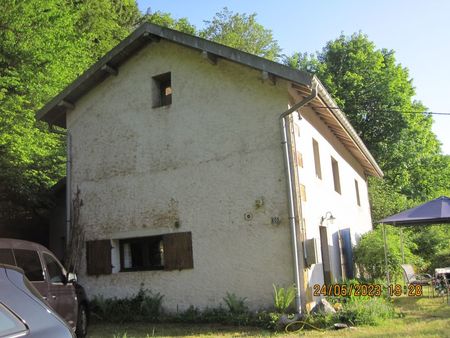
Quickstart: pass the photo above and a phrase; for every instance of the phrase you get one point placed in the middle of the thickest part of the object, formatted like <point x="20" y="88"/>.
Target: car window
<point x="10" y="325"/>
<point x="6" y="257"/>
<point x="54" y="269"/>
<point x="28" y="260"/>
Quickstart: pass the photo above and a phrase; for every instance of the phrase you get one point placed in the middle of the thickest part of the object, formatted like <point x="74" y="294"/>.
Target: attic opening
<point x="162" y="90"/>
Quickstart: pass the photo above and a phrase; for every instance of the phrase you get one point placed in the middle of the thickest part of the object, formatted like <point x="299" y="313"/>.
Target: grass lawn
<point x="424" y="317"/>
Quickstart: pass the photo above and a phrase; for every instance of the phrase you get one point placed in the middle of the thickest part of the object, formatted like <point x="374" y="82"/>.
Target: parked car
<point x="57" y="287"/>
<point x="23" y="313"/>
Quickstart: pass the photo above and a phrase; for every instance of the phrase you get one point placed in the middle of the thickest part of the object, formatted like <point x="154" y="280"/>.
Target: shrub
<point x="366" y="311"/>
<point x="363" y="310"/>
<point x="440" y="260"/>
<point x="369" y="253"/>
<point x="144" y="306"/>
<point x="208" y="315"/>
<point x="283" y="298"/>
<point x="236" y="305"/>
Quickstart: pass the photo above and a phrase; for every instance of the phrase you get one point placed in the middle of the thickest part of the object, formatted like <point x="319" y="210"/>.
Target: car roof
<point x="12" y="243"/>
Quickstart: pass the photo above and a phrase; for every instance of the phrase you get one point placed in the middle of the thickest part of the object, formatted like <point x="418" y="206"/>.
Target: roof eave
<point x="54" y="111"/>
<point x="342" y="118"/>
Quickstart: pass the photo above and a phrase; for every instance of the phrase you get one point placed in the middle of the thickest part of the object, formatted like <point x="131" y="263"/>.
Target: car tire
<point x="82" y="321"/>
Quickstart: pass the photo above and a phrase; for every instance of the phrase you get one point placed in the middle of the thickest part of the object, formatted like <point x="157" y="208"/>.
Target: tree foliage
<point x="369" y="253"/>
<point x="241" y="31"/>
<point x="377" y="95"/>
<point x="45" y="44"/>
<point x="166" y="20"/>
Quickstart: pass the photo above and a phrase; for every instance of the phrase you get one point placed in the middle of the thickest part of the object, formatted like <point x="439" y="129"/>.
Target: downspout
<point x="291" y="188"/>
<point x="68" y="178"/>
<point x="68" y="186"/>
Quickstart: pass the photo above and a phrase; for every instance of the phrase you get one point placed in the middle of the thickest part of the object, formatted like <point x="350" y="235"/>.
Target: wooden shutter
<point x="302" y="192"/>
<point x="98" y="257"/>
<point x="347" y="253"/>
<point x="317" y="159"/>
<point x="337" y="183"/>
<point x="178" y="251"/>
<point x="325" y="255"/>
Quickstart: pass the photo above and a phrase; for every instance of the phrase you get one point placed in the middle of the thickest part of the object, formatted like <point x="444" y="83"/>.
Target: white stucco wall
<point x="203" y="161"/>
<point x="321" y="196"/>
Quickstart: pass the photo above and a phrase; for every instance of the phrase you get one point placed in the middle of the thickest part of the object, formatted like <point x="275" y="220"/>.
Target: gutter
<point x="291" y="188"/>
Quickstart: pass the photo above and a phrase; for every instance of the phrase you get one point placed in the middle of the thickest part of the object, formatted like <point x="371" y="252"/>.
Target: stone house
<point x="199" y="177"/>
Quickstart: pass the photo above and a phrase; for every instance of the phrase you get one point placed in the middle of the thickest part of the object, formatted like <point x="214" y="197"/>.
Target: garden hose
<point x="286" y="329"/>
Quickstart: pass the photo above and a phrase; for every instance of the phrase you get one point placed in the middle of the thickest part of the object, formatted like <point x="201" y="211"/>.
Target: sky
<point x="418" y="32"/>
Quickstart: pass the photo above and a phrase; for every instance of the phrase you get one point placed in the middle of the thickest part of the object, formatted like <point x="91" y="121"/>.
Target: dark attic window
<point x="162" y="90"/>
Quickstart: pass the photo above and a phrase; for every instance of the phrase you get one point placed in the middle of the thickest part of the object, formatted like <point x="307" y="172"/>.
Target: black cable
<point x="395" y="111"/>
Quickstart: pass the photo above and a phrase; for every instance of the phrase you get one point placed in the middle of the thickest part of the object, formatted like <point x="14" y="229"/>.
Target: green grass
<point x="423" y="317"/>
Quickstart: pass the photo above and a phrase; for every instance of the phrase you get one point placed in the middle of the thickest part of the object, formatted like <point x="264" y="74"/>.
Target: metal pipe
<point x="68" y="186"/>
<point x="403" y="251"/>
<point x="386" y="255"/>
<point x="68" y="178"/>
<point x="291" y="189"/>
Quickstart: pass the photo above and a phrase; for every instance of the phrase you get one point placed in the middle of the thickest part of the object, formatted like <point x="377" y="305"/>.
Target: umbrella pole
<point x="385" y="255"/>
<point x="401" y="239"/>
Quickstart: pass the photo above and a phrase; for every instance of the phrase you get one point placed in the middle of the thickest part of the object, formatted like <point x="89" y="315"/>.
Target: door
<point x="325" y="255"/>
<point x="29" y="262"/>
<point x="61" y="295"/>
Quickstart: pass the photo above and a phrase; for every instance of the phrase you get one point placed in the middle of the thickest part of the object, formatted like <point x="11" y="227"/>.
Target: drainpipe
<point x="291" y="188"/>
<point x="68" y="186"/>
<point x="68" y="176"/>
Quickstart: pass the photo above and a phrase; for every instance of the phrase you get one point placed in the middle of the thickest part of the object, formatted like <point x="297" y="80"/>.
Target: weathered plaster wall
<point x="203" y="161"/>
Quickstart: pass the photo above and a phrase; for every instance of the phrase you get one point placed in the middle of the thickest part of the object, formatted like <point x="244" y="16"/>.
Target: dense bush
<point x="358" y="310"/>
<point x="144" y="306"/>
<point x="433" y="245"/>
<point x="366" y="311"/>
<point x="147" y="306"/>
<point x="369" y="253"/>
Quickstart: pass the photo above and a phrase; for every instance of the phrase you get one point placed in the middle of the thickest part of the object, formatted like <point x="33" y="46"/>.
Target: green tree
<point x="44" y="45"/>
<point x="241" y="31"/>
<point x="367" y="84"/>
<point x="166" y="20"/>
<point x="369" y="253"/>
<point x="377" y="95"/>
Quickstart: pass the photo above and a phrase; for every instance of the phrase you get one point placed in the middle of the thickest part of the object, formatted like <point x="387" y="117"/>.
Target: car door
<point x="62" y="296"/>
<point x="29" y="262"/>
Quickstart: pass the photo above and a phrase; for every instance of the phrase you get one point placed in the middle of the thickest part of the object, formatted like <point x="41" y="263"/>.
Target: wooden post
<point x="385" y="256"/>
<point x="401" y="240"/>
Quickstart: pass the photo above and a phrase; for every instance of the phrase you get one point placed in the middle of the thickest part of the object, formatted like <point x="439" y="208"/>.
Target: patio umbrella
<point x="436" y="211"/>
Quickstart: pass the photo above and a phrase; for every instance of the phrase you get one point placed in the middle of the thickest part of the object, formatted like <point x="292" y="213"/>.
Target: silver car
<point x="23" y="313"/>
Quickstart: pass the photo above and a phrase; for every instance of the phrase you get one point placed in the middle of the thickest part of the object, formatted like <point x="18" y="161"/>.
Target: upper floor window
<point x="162" y="90"/>
<point x="335" y="168"/>
<point x="358" y="201"/>
<point x="317" y="159"/>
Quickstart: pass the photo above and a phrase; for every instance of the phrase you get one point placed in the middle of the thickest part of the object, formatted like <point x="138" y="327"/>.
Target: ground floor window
<point x="142" y="253"/>
<point x="161" y="252"/>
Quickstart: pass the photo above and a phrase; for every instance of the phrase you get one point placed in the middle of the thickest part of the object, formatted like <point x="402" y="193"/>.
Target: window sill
<point x="150" y="268"/>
